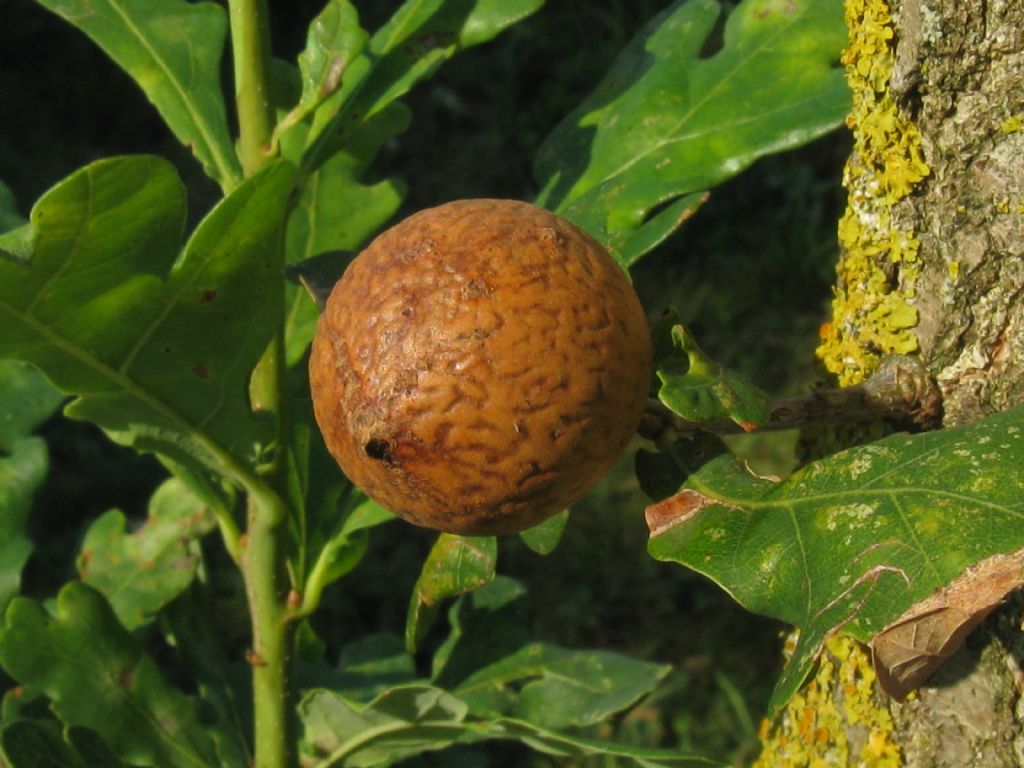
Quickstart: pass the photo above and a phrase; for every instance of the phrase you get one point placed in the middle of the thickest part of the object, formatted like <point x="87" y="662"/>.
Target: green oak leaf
<point x="456" y="565"/>
<point x="334" y="40"/>
<point x="336" y="211"/>
<point x="559" y="688"/>
<point x="36" y="744"/>
<point x="700" y="390"/>
<point x="544" y="537"/>
<point x="22" y="471"/>
<point x="98" y="677"/>
<point x="668" y="122"/>
<point x="27" y="400"/>
<point x="850" y="542"/>
<point x="111" y="313"/>
<point x="172" y="49"/>
<point x="491" y="662"/>
<point x="411" y="719"/>
<point x="419" y="37"/>
<point x="400" y="722"/>
<point x="140" y="572"/>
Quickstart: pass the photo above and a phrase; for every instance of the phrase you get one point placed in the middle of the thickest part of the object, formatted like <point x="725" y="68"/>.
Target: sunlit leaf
<point x="142" y="571"/>
<point x="850" y="542"/>
<point x="336" y="211"/>
<point x="419" y="37"/>
<point x="676" y="115"/>
<point x="172" y="49"/>
<point x="455" y="565"/>
<point x="107" y="310"/>
<point x="98" y="677"/>
<point x="698" y="389"/>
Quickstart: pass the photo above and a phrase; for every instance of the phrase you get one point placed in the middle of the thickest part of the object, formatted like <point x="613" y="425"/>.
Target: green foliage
<point x="700" y="390"/>
<point x="98" y="676"/>
<point x="28" y="399"/>
<point x="851" y="541"/>
<point x="190" y="344"/>
<point x="671" y="120"/>
<point x="172" y="49"/>
<point x="106" y="310"/>
<point x="141" y="572"/>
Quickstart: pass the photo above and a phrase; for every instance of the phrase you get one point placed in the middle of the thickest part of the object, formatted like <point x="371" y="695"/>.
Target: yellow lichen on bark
<point x="834" y="721"/>
<point x="837" y="719"/>
<point x="872" y="316"/>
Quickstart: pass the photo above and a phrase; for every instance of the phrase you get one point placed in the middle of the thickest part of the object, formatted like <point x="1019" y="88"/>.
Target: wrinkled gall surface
<point x="480" y="366"/>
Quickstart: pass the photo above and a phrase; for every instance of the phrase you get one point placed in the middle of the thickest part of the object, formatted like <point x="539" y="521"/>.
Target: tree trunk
<point x="932" y="263"/>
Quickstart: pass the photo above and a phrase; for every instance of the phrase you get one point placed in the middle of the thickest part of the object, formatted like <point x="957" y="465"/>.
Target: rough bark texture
<point x="960" y="66"/>
<point x="933" y="264"/>
<point x="959" y="74"/>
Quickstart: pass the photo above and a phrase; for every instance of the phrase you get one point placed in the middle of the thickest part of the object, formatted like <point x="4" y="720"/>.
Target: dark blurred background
<point x="750" y="274"/>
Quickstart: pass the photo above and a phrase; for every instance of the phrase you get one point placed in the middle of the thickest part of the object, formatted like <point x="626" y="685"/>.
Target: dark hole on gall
<point x="378" y="450"/>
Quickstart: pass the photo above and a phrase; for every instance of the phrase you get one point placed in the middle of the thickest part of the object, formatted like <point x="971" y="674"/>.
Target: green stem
<point x="250" y="43"/>
<point x="263" y="558"/>
<point x="263" y="555"/>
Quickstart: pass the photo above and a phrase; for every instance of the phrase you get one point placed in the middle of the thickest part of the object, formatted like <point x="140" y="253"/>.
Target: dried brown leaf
<point x="909" y="650"/>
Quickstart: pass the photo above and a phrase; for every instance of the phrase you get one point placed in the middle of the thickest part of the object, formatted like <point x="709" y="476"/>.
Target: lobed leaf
<point x="106" y="310"/>
<point x="140" y="572"/>
<point x="172" y="49"/>
<point x="700" y="390"/>
<point x="558" y="688"/>
<point x="415" y="41"/>
<point x="670" y="120"/>
<point x="35" y="744"/>
<point x="97" y="676"/>
<point x="336" y="211"/>
<point x="28" y="399"/>
<point x="853" y="541"/>
<point x="408" y="720"/>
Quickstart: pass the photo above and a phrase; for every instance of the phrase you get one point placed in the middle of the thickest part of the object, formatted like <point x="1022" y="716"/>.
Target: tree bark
<point x="932" y="264"/>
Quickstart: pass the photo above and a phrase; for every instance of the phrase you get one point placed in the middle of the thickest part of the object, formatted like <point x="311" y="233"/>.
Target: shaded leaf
<point x="9" y="218"/>
<point x="543" y="538"/>
<point x="558" y="688"/>
<point x="851" y="542"/>
<point x="172" y="49"/>
<point x="455" y="565"/>
<point x="374" y="663"/>
<point x="661" y="472"/>
<point x="907" y="651"/>
<point x="487" y="625"/>
<point x="98" y="677"/>
<point x="491" y="662"/>
<point x="409" y="720"/>
<point x="401" y="722"/>
<point x="698" y="389"/>
<point x="142" y="571"/>
<point x="34" y="744"/>
<point x="27" y="399"/>
<point x="98" y="313"/>
<point x="415" y="41"/>
<point x="22" y="471"/>
<point x="668" y="122"/>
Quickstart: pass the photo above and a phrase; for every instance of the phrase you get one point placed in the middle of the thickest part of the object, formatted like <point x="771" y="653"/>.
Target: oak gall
<point x="480" y="366"/>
